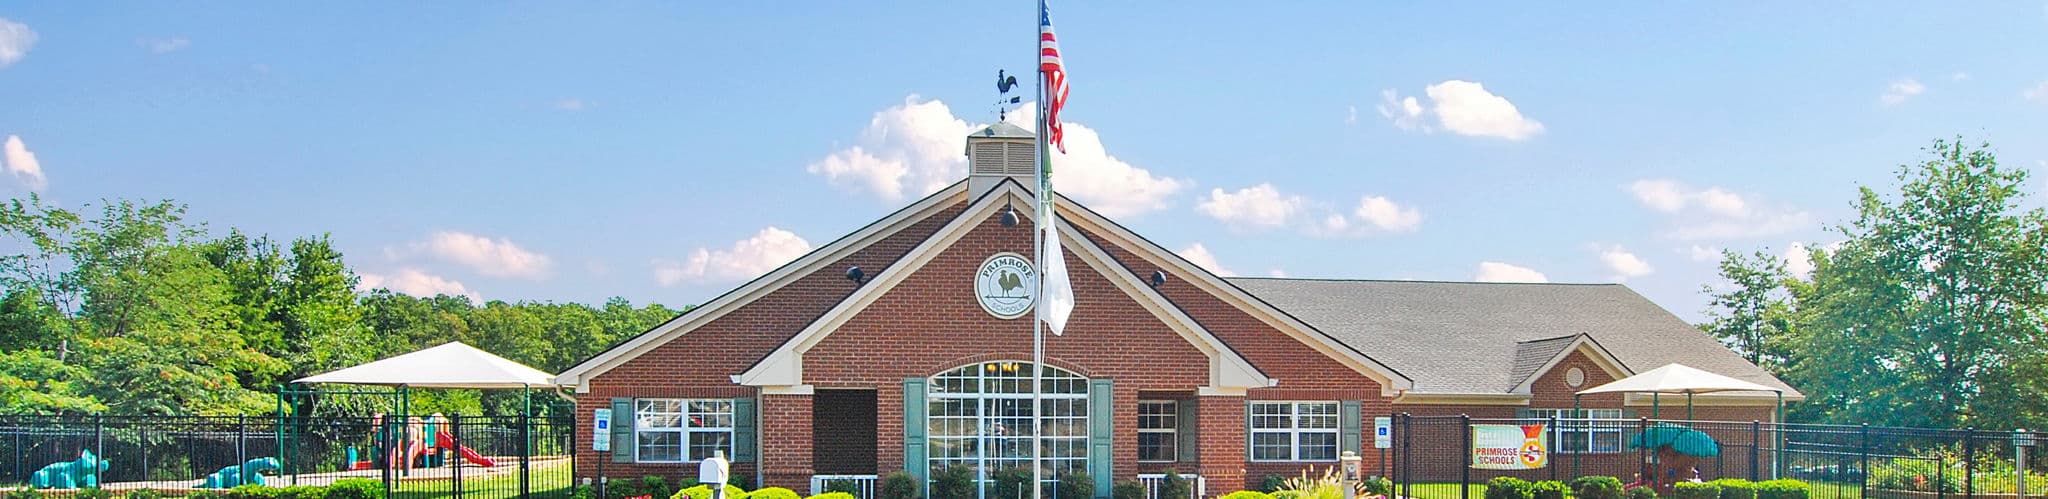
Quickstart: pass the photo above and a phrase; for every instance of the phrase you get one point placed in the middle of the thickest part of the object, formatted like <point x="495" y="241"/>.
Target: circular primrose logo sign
<point x="1005" y="285"/>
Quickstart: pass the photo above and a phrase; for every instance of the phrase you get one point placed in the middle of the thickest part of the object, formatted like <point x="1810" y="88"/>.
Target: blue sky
<point x="666" y="151"/>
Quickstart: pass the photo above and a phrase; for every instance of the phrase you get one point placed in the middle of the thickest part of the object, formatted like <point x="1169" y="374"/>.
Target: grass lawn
<point x="1819" y="490"/>
<point x="549" y="480"/>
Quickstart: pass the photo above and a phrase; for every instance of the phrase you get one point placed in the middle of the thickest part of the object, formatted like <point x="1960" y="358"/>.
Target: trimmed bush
<point x="359" y="488"/>
<point x="704" y="492"/>
<point x="1247" y="494"/>
<point x="1735" y="488"/>
<point x="848" y="487"/>
<point x="1507" y="487"/>
<point x="93" y="494"/>
<point x="1175" y="486"/>
<point x="1781" y="489"/>
<point x="1011" y="483"/>
<point x="1596" y="487"/>
<point x="656" y="486"/>
<point x="834" y="495"/>
<point x="1695" y="490"/>
<point x="954" y="482"/>
<point x="1381" y="486"/>
<point x="196" y="494"/>
<point x="1078" y="486"/>
<point x="1641" y="493"/>
<point x="1550" y="489"/>
<point x="774" y="493"/>
<point x="149" y="494"/>
<point x="1127" y="489"/>
<point x="24" y="493"/>
<point x="899" y="485"/>
<point x="580" y="492"/>
<point x="1291" y="494"/>
<point x="1272" y="483"/>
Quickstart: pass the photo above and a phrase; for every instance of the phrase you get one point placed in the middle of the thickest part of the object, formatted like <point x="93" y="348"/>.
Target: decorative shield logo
<point x="1006" y="285"/>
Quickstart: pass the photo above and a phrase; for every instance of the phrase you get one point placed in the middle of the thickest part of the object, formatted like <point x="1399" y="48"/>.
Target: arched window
<point x="980" y="418"/>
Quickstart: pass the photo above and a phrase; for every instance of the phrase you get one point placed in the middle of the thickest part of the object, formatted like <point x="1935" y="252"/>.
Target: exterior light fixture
<point x="855" y="274"/>
<point x="1009" y="216"/>
<point x="1158" y="278"/>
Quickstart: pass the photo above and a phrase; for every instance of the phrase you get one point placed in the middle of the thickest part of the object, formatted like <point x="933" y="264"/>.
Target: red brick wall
<point x="786" y="450"/>
<point x="701" y="362"/>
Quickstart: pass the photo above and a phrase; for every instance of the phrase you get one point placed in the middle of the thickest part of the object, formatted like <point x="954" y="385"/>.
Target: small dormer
<point x="1001" y="151"/>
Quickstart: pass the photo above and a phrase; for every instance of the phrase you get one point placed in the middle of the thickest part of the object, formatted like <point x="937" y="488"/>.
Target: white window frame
<point x="1294" y="431"/>
<point x="1171" y="430"/>
<point x="1591" y="422"/>
<point x="685" y="428"/>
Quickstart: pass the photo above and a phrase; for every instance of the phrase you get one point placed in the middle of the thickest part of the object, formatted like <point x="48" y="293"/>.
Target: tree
<point x="1753" y="316"/>
<point x="1931" y="313"/>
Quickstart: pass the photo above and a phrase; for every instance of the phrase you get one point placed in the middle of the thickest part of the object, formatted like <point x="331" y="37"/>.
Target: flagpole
<point x="1037" y="254"/>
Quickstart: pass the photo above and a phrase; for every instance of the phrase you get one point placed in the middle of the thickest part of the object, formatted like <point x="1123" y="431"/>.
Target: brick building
<point x="914" y="366"/>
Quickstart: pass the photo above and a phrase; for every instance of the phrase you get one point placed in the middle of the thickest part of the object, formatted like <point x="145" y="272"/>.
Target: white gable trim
<point x="1392" y="382"/>
<point x="1583" y="343"/>
<point x="784" y="367"/>
<point x="579" y="376"/>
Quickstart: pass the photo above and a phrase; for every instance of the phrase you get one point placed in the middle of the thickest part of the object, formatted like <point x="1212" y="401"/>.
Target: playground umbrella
<point x="1681" y="439"/>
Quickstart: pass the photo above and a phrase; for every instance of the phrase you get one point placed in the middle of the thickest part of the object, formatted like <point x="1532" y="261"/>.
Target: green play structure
<point x="83" y="473"/>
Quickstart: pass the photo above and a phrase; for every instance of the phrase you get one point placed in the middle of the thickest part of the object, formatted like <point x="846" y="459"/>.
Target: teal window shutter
<point x="1349" y="426"/>
<point x="914" y="409"/>
<point x="1187" y="430"/>
<point x="745" y="429"/>
<point x="622" y="430"/>
<point x="1101" y="433"/>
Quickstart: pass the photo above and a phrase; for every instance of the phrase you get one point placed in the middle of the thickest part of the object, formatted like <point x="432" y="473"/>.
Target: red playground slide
<point x="465" y="451"/>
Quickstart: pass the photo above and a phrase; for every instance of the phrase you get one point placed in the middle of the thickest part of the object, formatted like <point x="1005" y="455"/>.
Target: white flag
<point x="1058" y="297"/>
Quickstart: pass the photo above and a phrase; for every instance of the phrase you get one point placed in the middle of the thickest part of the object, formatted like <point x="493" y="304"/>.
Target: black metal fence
<point x="1434" y="457"/>
<point x="422" y="456"/>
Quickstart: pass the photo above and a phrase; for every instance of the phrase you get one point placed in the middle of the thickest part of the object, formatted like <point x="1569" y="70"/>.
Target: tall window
<point x="1586" y="431"/>
<point x="1157" y="420"/>
<point x="676" y="430"/>
<point x="980" y="417"/>
<point x="1293" y="431"/>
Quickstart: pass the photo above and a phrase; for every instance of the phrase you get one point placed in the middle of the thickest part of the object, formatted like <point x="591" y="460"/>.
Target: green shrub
<point x="1011" y="482"/>
<point x="954" y="482"/>
<point x="1247" y="494"/>
<point x="198" y="494"/>
<point x="357" y="488"/>
<point x="1127" y="489"/>
<point x="302" y="492"/>
<point x="848" y="487"/>
<point x="1381" y="486"/>
<point x="24" y="493"/>
<point x="1291" y="494"/>
<point x="1076" y="486"/>
<point x="147" y="494"/>
<point x="1695" y="490"/>
<point x="93" y="494"/>
<point x="577" y="492"/>
<point x="1596" y="487"/>
<point x="899" y="485"/>
<point x="1781" y="489"/>
<point x="1507" y="487"/>
<point x="624" y="487"/>
<point x="1175" y="486"/>
<point x="774" y="493"/>
<point x="1642" y="493"/>
<point x="704" y="492"/>
<point x="1916" y="474"/>
<point x="251" y="491"/>
<point x="834" y="495"/>
<point x="1271" y="483"/>
<point x="1548" y="489"/>
<point x="656" y="486"/>
<point x="1735" y="488"/>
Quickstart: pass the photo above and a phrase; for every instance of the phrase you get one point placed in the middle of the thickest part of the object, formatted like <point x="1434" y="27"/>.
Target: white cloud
<point x="1959" y="77"/>
<point x="570" y="104"/>
<point x="1384" y="214"/>
<point x="1713" y="212"/>
<point x="1502" y="272"/>
<point x="416" y="283"/>
<point x="15" y="40"/>
<point x="1700" y="253"/>
<point x="1901" y="90"/>
<point x="22" y="164"/>
<point x="1258" y="206"/>
<point x="1798" y="257"/>
<point x="1462" y="107"/>
<point x="164" y="45"/>
<point x="491" y="257"/>
<point x="746" y="259"/>
<point x="2037" y="94"/>
<point x="1350" y="115"/>
<point x="1624" y="264"/>
<point x="1277" y="273"/>
<point x="1201" y="257"/>
<point x="1090" y="175"/>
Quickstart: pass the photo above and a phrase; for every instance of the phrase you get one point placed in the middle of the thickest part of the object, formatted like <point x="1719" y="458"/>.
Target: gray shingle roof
<point x="1463" y="337"/>
<point x="1532" y="354"/>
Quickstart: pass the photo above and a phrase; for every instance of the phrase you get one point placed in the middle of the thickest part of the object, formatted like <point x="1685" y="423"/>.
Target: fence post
<point x="1551" y="427"/>
<point x="1465" y="467"/>
<point x="1863" y="472"/>
<point x="99" y="442"/>
<point x="455" y="464"/>
<point x="1407" y="447"/>
<point x="1643" y="473"/>
<point x="525" y="451"/>
<point x="1969" y="462"/>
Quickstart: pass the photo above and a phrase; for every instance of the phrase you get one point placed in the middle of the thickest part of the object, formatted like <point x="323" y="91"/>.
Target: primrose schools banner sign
<point x="1510" y="447"/>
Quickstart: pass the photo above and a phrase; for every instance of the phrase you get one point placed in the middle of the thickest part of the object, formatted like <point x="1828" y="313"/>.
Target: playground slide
<point x="465" y="451"/>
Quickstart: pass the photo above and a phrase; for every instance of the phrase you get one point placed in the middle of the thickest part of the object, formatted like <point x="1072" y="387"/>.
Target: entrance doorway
<point x="843" y="432"/>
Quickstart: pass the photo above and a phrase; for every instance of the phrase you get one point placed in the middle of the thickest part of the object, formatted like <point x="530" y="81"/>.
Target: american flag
<point x="1055" y="77"/>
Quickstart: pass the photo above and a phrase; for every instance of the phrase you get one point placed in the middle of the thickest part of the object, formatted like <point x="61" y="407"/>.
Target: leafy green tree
<point x="1753" y="315"/>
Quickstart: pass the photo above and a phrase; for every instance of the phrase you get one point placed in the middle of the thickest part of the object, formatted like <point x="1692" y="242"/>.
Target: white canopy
<point x="1677" y="378"/>
<point x="451" y="365"/>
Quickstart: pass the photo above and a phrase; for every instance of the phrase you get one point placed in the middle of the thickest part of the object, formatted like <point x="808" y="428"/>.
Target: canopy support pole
<point x="1688" y="406"/>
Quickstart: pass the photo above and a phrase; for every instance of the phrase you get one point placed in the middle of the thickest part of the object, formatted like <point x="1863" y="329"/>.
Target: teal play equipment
<point x="249" y="473"/>
<point x="81" y="474"/>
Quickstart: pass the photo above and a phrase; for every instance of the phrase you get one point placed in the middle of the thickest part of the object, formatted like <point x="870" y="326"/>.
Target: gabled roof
<point x="1534" y="355"/>
<point x="451" y="365"/>
<point x="1475" y="338"/>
